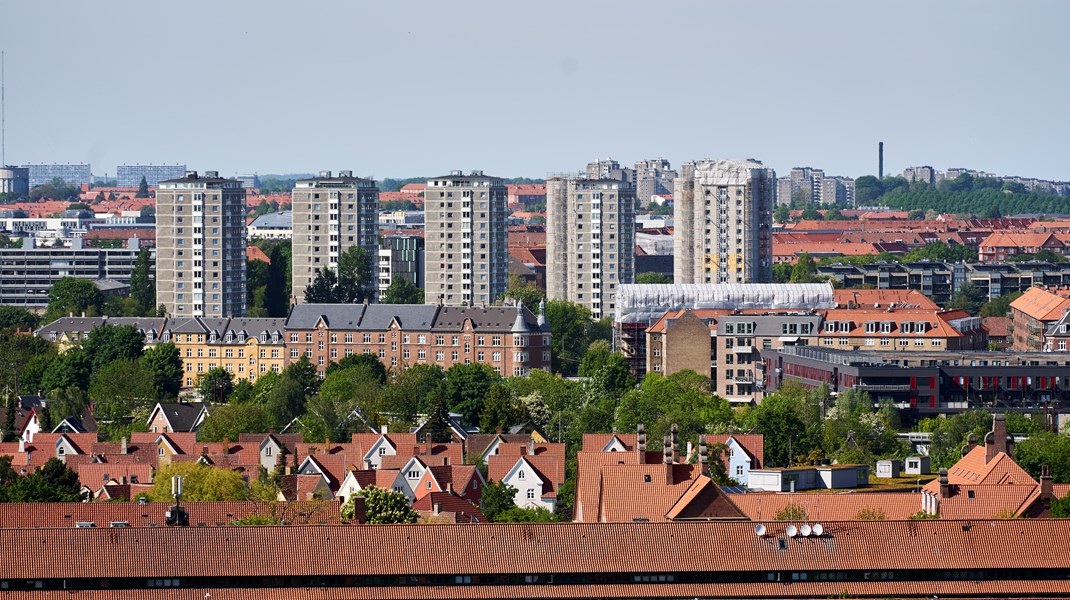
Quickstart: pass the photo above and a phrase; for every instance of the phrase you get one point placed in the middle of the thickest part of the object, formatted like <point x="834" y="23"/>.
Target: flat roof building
<point x="130" y="175"/>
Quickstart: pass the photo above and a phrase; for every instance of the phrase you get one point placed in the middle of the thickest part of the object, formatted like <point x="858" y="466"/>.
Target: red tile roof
<point x="1041" y="304"/>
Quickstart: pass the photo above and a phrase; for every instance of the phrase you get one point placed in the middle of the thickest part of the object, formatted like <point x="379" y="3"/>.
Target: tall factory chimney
<point x="880" y="160"/>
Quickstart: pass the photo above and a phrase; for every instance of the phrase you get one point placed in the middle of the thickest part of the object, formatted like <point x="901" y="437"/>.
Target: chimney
<point x="226" y="445"/>
<point x="945" y="487"/>
<point x="667" y="450"/>
<point x="436" y="508"/>
<point x="327" y="445"/>
<point x="688" y="454"/>
<point x="675" y="443"/>
<point x="22" y="445"/>
<point x="382" y="430"/>
<point x="703" y="455"/>
<point x="971" y="443"/>
<point x="1047" y="490"/>
<point x="640" y="442"/>
<point x="122" y="446"/>
<point x="996" y="440"/>
<point x="531" y="446"/>
<point x="449" y="487"/>
<point x="880" y="160"/>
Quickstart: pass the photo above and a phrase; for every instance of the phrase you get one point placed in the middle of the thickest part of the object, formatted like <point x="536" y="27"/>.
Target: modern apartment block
<point x="653" y="177"/>
<point x="14" y="180"/>
<point x="200" y="246"/>
<point x="70" y="174"/>
<point x="130" y="175"/>
<point x="590" y="241"/>
<point x="401" y="255"/>
<point x="28" y="273"/>
<point x="331" y="214"/>
<point x="816" y="187"/>
<point x="724" y="212"/>
<point x="465" y="241"/>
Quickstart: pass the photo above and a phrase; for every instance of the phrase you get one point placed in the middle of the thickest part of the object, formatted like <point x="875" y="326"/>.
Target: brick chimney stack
<point x="996" y="440"/>
<point x="667" y="450"/>
<point x="971" y="443"/>
<point x="640" y="442"/>
<point x="703" y="455"/>
<point x="1047" y="490"/>
<point x="945" y="487"/>
<point x="675" y="443"/>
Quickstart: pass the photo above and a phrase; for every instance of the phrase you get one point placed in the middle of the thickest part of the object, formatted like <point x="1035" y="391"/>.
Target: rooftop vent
<point x="211" y="174"/>
<point x="457" y="173"/>
<point x="191" y="174"/>
<point x="477" y="173"/>
<point x="120" y="523"/>
<point x="345" y="173"/>
<point x="81" y="524"/>
<point x="325" y="174"/>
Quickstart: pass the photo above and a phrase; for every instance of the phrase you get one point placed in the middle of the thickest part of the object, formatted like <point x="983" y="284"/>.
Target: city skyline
<point x="923" y="82"/>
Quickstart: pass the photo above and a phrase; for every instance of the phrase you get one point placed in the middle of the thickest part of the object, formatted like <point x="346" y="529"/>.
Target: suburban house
<point x="535" y="470"/>
<point x="176" y="417"/>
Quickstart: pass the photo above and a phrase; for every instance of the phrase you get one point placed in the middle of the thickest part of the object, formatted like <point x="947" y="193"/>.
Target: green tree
<point x="355" y="282"/>
<point x="804" y="270"/>
<point x="75" y="296"/>
<point x="1044" y="449"/>
<point x="64" y="403"/>
<point x="14" y="317"/>
<point x="500" y="410"/>
<point x="683" y="398"/>
<point x="498" y="497"/>
<point x="244" y="392"/>
<point x="53" y="482"/>
<point x="810" y="214"/>
<point x="57" y="189"/>
<point x="411" y="393"/>
<point x="108" y="343"/>
<point x="118" y="387"/>
<point x="70" y="369"/>
<point x="524" y="291"/>
<point x="467" y="387"/>
<point x="331" y="412"/>
<point x="867" y="190"/>
<point x="256" y="277"/>
<point x="402" y="291"/>
<point x="571" y="325"/>
<point x="323" y="289"/>
<point x="782" y="214"/>
<point x="608" y="367"/>
<point x="304" y="373"/>
<point x="216" y="385"/>
<point x="142" y="284"/>
<point x="949" y="434"/>
<point x="22" y="359"/>
<point x="652" y="277"/>
<point x="1000" y="306"/>
<point x="163" y="365"/>
<point x="142" y="189"/>
<point x="231" y="420"/>
<point x="791" y="422"/>
<point x="526" y="515"/>
<point x="284" y="401"/>
<point x="200" y="483"/>
<point x="384" y="507"/>
<point x="916" y="215"/>
<point x="969" y="298"/>
<point x="370" y="362"/>
<point x="276" y="294"/>
<point x="436" y="425"/>
<point x="834" y="214"/>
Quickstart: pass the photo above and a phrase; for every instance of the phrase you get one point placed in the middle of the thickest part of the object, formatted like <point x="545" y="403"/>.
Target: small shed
<point x="889" y="469"/>
<point x="917" y="465"/>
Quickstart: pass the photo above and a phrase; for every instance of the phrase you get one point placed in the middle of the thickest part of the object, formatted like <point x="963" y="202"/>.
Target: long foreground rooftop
<point x="973" y="559"/>
<point x="645" y="303"/>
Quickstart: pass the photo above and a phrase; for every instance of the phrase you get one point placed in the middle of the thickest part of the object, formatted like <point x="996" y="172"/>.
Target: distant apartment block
<point x="401" y="256"/>
<point x="14" y="180"/>
<point x="466" y="246"/>
<point x="27" y="274"/>
<point x="130" y="175"/>
<point x="653" y="177"/>
<point x="723" y="220"/>
<point x="923" y="174"/>
<point x="610" y="169"/>
<point x="70" y="174"/>
<point x="331" y="214"/>
<point x="817" y="188"/>
<point x="590" y="241"/>
<point x="200" y="241"/>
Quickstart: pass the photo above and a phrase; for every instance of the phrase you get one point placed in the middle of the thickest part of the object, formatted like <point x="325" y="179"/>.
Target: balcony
<point x="747" y="379"/>
<point x="742" y="349"/>
<point x="881" y="387"/>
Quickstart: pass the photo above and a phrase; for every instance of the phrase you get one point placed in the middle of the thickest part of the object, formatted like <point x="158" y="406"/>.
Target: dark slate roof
<point x="409" y="316"/>
<point x="282" y="219"/>
<point x="492" y="318"/>
<point x="257" y="325"/>
<point x="87" y="324"/>
<point x="339" y="316"/>
<point x="182" y="415"/>
<point x="186" y="325"/>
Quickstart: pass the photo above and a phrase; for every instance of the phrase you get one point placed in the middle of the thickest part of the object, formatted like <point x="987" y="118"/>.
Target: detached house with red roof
<point x="535" y="470"/>
<point x="1032" y="314"/>
<point x="1002" y="245"/>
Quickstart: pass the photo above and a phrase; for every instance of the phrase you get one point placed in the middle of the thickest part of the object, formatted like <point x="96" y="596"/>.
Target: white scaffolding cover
<point x="644" y="303"/>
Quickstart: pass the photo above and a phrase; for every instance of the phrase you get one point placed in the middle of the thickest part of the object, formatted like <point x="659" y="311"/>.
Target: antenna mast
<point x="3" y="121"/>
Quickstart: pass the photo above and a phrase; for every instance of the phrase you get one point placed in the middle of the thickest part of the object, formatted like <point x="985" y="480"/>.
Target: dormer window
<point x="830" y="326"/>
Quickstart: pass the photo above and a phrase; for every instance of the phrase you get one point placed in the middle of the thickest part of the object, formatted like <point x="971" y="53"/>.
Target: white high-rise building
<point x="590" y="241"/>
<point x="200" y="246"/>
<point x="723" y="216"/>
<point x="331" y="214"/>
<point x="466" y="253"/>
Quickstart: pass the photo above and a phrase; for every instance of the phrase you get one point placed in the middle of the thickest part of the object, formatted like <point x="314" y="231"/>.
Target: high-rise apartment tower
<point x="200" y="246"/>
<point x="590" y="241"/>
<point x="331" y="214"/>
<point x="466" y="253"/>
<point x="723" y="216"/>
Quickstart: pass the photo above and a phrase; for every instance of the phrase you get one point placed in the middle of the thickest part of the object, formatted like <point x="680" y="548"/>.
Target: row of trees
<point x="73" y="296"/>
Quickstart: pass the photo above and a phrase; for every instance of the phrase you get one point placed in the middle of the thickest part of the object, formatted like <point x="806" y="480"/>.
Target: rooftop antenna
<point x="3" y="120"/>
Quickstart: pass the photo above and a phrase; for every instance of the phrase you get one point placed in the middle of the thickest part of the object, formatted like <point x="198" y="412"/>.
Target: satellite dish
<point x="759" y="530"/>
<point x="791" y="531"/>
<point x="818" y="529"/>
<point x="804" y="530"/>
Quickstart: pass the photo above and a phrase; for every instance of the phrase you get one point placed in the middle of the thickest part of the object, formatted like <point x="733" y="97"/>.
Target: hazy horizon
<point x="525" y="89"/>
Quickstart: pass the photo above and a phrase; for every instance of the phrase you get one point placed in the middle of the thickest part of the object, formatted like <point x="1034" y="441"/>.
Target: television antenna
<point x="3" y="120"/>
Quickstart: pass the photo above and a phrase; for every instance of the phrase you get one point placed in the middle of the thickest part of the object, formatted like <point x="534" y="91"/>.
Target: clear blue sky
<point x="394" y="89"/>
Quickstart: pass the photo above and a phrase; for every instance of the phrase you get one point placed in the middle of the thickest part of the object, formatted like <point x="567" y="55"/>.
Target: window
<point x="531" y="494"/>
<point x="739" y="470"/>
<point x="520" y="475"/>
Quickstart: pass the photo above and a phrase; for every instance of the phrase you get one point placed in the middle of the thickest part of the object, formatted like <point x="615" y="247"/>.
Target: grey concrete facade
<point x="590" y="241"/>
<point x="331" y="214"/>
<point x="200" y="246"/>
<point x="465" y="241"/>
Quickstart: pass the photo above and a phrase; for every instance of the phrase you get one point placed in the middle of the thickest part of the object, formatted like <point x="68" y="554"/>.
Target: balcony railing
<point x="881" y="387"/>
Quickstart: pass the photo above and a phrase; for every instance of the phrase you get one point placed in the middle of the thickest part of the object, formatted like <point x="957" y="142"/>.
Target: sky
<point x="526" y="88"/>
